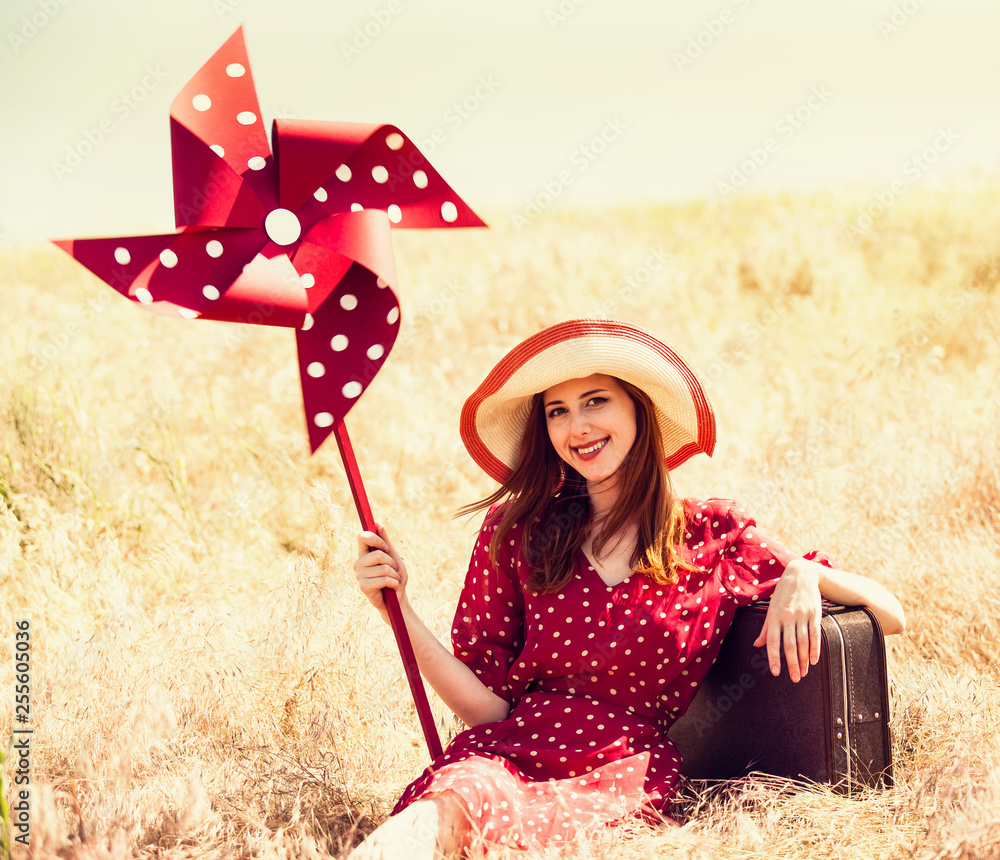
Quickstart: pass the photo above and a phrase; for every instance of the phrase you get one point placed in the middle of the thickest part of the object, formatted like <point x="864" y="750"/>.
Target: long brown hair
<point x="551" y="498"/>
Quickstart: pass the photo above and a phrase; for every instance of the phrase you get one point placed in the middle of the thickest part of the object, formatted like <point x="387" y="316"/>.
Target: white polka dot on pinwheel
<point x="282" y="226"/>
<point x="354" y="341"/>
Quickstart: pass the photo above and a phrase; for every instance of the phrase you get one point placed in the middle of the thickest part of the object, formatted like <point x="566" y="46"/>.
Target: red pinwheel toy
<point x="297" y="236"/>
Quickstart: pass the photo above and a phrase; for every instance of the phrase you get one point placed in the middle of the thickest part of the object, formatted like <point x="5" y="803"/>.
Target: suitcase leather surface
<point x="833" y="726"/>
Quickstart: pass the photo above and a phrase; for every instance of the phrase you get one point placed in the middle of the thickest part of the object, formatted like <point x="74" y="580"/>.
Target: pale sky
<point x="591" y="101"/>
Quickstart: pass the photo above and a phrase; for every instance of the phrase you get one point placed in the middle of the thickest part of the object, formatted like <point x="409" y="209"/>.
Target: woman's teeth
<point x="595" y="447"/>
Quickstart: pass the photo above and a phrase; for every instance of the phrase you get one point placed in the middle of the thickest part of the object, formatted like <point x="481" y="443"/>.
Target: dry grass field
<point x="208" y="681"/>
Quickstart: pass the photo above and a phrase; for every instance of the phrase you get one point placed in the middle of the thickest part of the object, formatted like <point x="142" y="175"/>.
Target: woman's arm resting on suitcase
<point x="853" y="589"/>
<point x="794" y="614"/>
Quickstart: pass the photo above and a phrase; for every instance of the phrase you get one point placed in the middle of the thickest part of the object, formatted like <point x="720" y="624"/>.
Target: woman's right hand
<point x="379" y="566"/>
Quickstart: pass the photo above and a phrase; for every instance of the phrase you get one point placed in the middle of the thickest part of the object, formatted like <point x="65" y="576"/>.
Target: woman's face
<point x="591" y="424"/>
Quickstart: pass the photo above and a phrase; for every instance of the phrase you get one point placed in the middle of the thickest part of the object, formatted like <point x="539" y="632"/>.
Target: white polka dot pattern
<point x="350" y="338"/>
<point x="595" y="675"/>
<point x="263" y="244"/>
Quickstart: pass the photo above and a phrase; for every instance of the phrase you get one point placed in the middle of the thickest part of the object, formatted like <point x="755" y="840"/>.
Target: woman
<point x="595" y="600"/>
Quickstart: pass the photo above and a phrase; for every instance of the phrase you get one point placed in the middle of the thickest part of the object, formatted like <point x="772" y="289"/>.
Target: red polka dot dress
<point x="595" y="675"/>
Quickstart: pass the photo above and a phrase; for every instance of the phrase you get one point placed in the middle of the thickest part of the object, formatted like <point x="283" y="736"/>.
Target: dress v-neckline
<point x="593" y="566"/>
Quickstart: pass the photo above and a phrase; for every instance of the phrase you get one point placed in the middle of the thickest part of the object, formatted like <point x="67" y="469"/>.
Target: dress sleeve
<point x="751" y="562"/>
<point x="488" y="632"/>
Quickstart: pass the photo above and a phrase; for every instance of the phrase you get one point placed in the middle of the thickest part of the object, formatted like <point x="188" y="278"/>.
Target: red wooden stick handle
<point x="389" y="596"/>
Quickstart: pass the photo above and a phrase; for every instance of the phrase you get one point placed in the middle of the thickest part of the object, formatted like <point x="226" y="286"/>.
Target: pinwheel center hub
<point x="282" y="227"/>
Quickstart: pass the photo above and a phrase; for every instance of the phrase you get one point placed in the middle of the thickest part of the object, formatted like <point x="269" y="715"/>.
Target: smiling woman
<point x="591" y="424"/>
<point x="595" y="600"/>
<point x="607" y="440"/>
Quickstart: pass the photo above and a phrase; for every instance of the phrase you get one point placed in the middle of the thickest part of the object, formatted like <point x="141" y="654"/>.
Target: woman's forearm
<point x="852" y="589"/>
<point x="380" y="566"/>
<point x="457" y="685"/>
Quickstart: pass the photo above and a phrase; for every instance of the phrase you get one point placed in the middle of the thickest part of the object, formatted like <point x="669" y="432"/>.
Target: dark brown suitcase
<point x="831" y="727"/>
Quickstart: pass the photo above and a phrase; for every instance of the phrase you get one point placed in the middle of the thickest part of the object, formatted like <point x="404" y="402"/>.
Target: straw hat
<point x="494" y="417"/>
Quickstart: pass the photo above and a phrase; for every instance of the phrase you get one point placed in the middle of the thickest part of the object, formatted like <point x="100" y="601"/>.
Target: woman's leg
<point x="425" y="830"/>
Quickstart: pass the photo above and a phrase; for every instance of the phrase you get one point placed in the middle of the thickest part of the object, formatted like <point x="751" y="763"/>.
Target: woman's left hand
<point x="793" y="622"/>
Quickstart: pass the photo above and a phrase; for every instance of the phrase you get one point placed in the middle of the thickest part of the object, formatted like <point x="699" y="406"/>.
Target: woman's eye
<point x="597" y="401"/>
<point x="555" y="413"/>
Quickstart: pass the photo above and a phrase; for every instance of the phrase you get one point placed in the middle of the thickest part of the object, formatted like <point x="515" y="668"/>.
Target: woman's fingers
<point x="773" y="642"/>
<point x="792" y="625"/>
<point x="374" y="558"/>
<point x="370" y="540"/>
<point x="796" y="638"/>
<point x="379" y="566"/>
<point x="771" y="636"/>
<point x="376" y="565"/>
<point x="389" y="548"/>
<point x="805" y="647"/>
<point x="375" y="549"/>
<point x="799" y="640"/>
<point x="375" y="583"/>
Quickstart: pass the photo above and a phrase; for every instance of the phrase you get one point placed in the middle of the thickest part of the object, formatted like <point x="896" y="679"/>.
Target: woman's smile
<point x="590" y="451"/>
